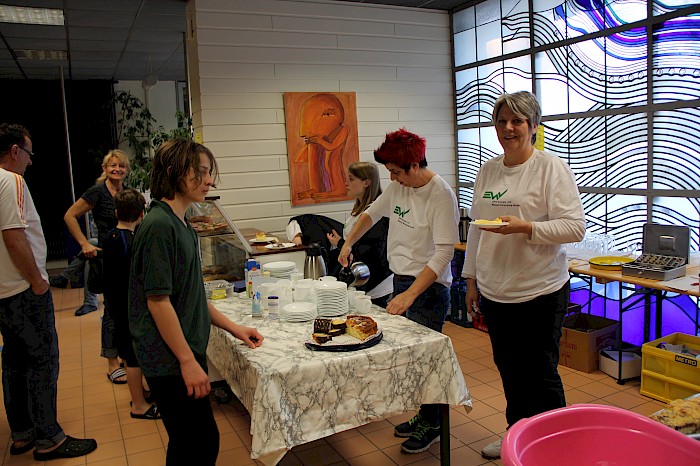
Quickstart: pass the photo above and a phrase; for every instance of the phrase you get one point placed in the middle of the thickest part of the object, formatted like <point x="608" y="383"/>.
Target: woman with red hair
<point x="423" y="217"/>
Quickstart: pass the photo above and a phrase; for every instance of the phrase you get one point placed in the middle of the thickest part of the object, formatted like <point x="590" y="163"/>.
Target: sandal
<point x="15" y="450"/>
<point x="115" y="375"/>
<point x="151" y="414"/>
<point x="70" y="448"/>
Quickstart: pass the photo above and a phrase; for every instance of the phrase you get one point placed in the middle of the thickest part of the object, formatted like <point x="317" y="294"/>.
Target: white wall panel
<point x="247" y="54"/>
<point x="284" y="71"/>
<point x="441" y="141"/>
<point x="328" y="9"/>
<point x="384" y="87"/>
<point x="250" y="164"/>
<point x="334" y="26"/>
<point x="256" y="179"/>
<point x="219" y="20"/>
<point x="427" y="114"/>
<point x="246" y="116"/>
<point x="234" y="53"/>
<point x="265" y="38"/>
<point x="377" y="114"/>
<point x="421" y="74"/>
<point x="424" y="32"/>
<point x="259" y="147"/>
<point x="236" y="70"/>
<point x="221" y="86"/>
<point x="251" y="196"/>
<point x="393" y="44"/>
<point x="400" y="100"/>
<point x="235" y="100"/>
<point x="422" y="128"/>
<point x="242" y="132"/>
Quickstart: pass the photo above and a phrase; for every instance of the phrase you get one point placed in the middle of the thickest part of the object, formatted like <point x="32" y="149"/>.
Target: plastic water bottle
<point x="273" y="307"/>
<point x="256" y="307"/>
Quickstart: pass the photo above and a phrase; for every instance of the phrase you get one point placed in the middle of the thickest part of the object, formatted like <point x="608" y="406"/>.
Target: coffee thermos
<point x="463" y="224"/>
<point x="314" y="264"/>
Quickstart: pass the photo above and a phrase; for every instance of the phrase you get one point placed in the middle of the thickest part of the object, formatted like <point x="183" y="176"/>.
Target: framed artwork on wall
<point x="321" y="143"/>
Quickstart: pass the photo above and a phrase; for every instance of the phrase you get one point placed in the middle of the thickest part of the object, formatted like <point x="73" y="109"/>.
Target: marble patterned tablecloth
<point x="295" y="395"/>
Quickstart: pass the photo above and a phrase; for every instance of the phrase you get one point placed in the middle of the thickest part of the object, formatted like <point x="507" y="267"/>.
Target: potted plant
<point x="137" y="128"/>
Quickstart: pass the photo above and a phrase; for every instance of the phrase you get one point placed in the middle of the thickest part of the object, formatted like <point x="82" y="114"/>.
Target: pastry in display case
<point x="223" y="249"/>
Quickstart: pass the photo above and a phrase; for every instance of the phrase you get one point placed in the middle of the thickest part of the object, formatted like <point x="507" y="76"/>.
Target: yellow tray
<point x="609" y="262"/>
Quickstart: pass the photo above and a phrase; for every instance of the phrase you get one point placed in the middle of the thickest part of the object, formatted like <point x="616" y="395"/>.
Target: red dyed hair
<point x="401" y="148"/>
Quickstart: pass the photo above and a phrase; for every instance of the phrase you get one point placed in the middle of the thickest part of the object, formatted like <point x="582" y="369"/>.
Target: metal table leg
<point x="445" y="435"/>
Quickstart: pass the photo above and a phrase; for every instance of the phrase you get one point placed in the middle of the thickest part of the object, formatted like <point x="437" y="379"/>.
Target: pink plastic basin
<point x="588" y="434"/>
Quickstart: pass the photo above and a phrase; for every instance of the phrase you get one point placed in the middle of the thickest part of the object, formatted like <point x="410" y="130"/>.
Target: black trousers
<point x="193" y="437"/>
<point x="525" y="341"/>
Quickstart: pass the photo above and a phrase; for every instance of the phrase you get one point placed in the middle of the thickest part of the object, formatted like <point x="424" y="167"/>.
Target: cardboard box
<point x="582" y="337"/>
<point x="631" y="362"/>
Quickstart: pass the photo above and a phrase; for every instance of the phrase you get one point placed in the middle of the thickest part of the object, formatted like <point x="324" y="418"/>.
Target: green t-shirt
<point x="166" y="261"/>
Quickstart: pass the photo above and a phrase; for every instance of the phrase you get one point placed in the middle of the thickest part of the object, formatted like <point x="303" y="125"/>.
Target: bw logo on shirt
<point x="399" y="212"/>
<point x="494" y="196"/>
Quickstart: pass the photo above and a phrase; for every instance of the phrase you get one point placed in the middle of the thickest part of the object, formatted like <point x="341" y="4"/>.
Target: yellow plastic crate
<point x="667" y="375"/>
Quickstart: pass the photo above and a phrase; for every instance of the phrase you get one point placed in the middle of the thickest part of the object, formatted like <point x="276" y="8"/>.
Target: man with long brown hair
<point x="169" y="315"/>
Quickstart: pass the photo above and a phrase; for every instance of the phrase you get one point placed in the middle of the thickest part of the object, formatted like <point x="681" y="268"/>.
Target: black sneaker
<point x="82" y="310"/>
<point x="424" y="436"/>
<point x="58" y="282"/>
<point x="406" y="429"/>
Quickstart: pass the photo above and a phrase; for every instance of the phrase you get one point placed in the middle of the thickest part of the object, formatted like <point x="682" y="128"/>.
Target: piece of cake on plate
<point x="360" y="327"/>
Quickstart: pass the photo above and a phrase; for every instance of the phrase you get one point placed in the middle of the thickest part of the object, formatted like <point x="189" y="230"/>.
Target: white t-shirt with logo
<point x="17" y="211"/>
<point x="512" y="268"/>
<point x="419" y="218"/>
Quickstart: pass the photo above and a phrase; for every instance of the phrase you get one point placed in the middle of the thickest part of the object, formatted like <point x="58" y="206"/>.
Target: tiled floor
<point x="89" y="405"/>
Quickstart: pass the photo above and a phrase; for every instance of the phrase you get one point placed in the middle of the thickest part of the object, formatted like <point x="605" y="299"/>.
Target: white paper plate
<point x="280" y="266"/>
<point x="489" y="224"/>
<point x="268" y="239"/>
<point x="300" y="306"/>
<point x="279" y="245"/>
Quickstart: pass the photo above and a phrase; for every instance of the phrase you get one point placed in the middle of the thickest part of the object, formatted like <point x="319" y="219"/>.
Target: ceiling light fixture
<point x="26" y="15"/>
<point x="41" y="54"/>
<point x="151" y="79"/>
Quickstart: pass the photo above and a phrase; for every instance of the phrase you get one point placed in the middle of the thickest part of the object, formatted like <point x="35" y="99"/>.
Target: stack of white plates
<point x="280" y="269"/>
<point x="299" y="312"/>
<point x="331" y="298"/>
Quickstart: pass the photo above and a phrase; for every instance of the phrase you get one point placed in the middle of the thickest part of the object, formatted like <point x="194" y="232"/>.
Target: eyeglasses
<point x="31" y="154"/>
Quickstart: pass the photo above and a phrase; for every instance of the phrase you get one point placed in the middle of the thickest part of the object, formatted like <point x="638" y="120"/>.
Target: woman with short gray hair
<point x="515" y="266"/>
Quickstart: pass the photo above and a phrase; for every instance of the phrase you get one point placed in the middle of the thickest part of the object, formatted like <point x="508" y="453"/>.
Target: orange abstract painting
<point x="321" y="143"/>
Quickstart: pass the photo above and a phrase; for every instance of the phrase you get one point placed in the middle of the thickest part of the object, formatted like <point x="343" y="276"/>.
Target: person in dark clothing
<point x="100" y="200"/>
<point x="117" y="268"/>
<point x="169" y="315"/>
<point x="363" y="184"/>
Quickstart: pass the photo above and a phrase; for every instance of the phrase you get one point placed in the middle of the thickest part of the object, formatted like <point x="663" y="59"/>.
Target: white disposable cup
<point x="328" y="278"/>
<point x="363" y="304"/>
<point x="296" y="277"/>
<point x="305" y="293"/>
<point x="272" y="289"/>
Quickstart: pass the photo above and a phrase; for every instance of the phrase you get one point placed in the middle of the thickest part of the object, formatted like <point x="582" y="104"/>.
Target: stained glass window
<point x="620" y="97"/>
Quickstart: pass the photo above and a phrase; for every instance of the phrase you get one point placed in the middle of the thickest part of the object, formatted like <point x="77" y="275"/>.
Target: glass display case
<point x="223" y="249"/>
